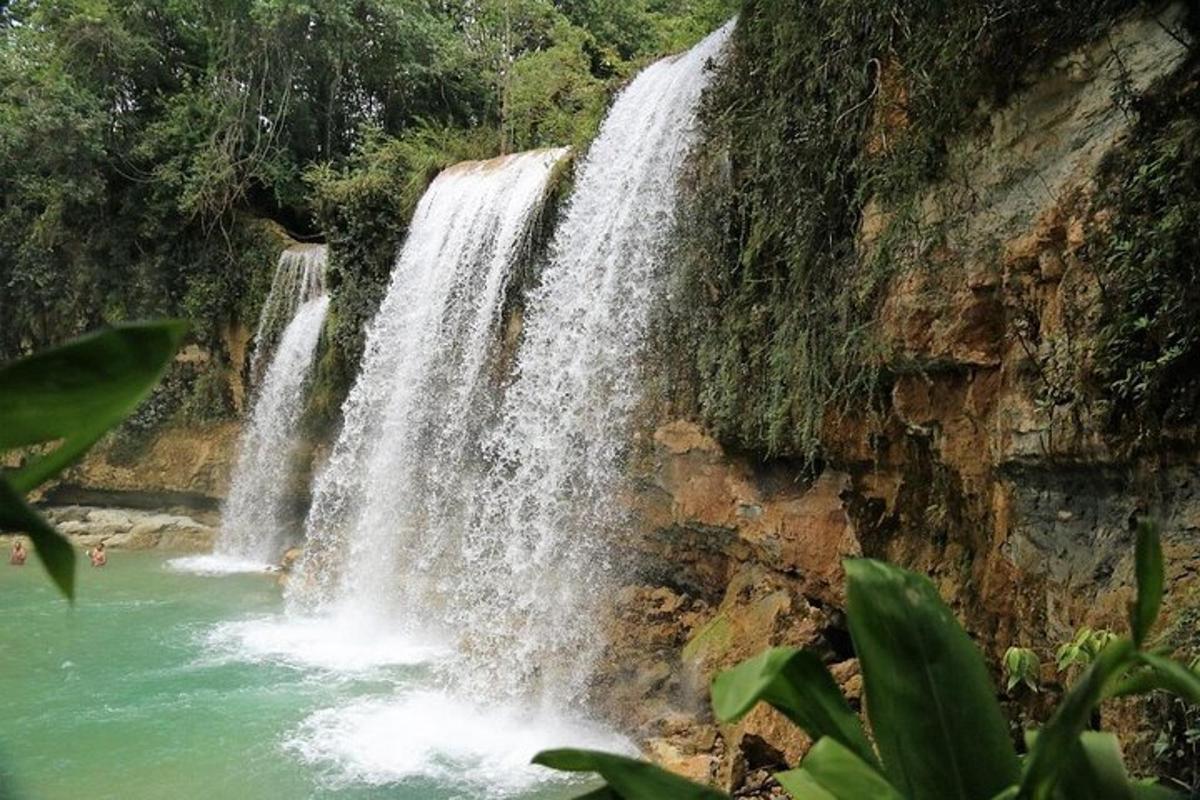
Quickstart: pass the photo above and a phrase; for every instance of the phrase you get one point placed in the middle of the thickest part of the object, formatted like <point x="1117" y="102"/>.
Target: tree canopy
<point x="150" y="150"/>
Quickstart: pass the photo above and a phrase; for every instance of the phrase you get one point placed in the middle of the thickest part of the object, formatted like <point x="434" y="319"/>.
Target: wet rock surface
<point x="132" y="529"/>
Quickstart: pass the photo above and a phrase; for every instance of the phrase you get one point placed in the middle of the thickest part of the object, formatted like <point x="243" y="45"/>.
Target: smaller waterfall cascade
<point x="254" y="518"/>
<point x="390" y="505"/>
<point x="299" y="277"/>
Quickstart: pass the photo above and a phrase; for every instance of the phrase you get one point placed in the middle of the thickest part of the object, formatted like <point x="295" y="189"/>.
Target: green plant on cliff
<point x="1084" y="648"/>
<point x="1021" y="666"/>
<point x="61" y="402"/>
<point x="1144" y="247"/>
<point x="144" y="146"/>
<point x="937" y="730"/>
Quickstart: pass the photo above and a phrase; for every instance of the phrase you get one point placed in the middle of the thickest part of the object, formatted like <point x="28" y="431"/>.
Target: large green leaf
<point x="53" y="550"/>
<point x="803" y="786"/>
<point x="630" y="778"/>
<point x="1159" y="672"/>
<point x="78" y="391"/>
<point x="797" y="684"/>
<point x="1148" y="564"/>
<point x="840" y="772"/>
<point x="1046" y="762"/>
<point x="603" y="793"/>
<point x="932" y="706"/>
<point x="1093" y="768"/>
<point x="101" y="376"/>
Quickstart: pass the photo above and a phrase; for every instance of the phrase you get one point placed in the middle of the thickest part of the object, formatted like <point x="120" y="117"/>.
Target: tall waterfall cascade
<point x="483" y="513"/>
<point x="539" y="553"/>
<point x="389" y="507"/>
<point x="254" y="519"/>
<point x="299" y="278"/>
<point x="464" y="530"/>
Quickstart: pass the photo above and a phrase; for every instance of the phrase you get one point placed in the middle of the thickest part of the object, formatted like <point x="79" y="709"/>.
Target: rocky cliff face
<point x="983" y="466"/>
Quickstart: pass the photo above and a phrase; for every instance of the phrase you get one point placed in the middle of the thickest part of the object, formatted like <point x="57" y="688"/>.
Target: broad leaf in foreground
<point x="55" y="552"/>
<point x="800" y="784"/>
<point x="78" y="391"/>
<point x="1045" y="764"/>
<point x="1148" y="564"/>
<point x="629" y="778"/>
<point x="930" y="700"/>
<point x="1159" y="672"/>
<point x="841" y="773"/>
<point x="72" y="394"/>
<point x="799" y="686"/>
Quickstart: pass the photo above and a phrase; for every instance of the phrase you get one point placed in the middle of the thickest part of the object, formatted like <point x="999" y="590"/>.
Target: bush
<point x="1144" y="250"/>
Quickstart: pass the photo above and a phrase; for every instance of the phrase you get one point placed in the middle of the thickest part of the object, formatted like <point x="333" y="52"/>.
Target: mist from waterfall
<point x="390" y="506"/>
<point x="254" y="518"/>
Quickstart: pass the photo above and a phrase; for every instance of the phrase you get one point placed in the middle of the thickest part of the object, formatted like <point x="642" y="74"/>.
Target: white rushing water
<point x="255" y="516"/>
<point x="390" y="503"/>
<point x="537" y="562"/>
<point x="299" y="277"/>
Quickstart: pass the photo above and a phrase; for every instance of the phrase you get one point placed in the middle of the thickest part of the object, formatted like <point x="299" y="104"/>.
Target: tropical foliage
<point x="827" y="112"/>
<point x="936" y="728"/>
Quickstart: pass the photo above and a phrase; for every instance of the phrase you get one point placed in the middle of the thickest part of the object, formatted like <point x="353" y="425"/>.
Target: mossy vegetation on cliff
<point x="819" y="111"/>
<point x="1145" y="248"/>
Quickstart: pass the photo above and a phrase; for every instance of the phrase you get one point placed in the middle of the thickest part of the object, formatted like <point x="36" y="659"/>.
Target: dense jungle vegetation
<point x="187" y="136"/>
<point x="144" y="145"/>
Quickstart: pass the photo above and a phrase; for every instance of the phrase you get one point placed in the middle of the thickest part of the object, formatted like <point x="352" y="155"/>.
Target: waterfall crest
<point x="390" y="503"/>
<point x="299" y="277"/>
<point x="254" y="517"/>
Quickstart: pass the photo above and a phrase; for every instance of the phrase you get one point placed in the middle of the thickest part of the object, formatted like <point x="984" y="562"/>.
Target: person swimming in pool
<point x="19" y="553"/>
<point x="98" y="556"/>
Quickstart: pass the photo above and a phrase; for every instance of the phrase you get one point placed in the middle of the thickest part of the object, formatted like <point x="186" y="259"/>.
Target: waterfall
<point x="390" y="504"/>
<point x="466" y="518"/>
<point x="537" y="563"/>
<point x="255" y="515"/>
<point x="481" y="514"/>
<point x="299" y="277"/>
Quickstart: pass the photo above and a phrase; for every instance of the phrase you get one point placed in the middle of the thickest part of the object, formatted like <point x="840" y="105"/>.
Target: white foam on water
<point x="333" y="643"/>
<point x="218" y="564"/>
<point x="431" y="736"/>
